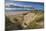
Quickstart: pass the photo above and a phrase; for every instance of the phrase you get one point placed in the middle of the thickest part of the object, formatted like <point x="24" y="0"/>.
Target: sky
<point x="36" y="5"/>
<point x="33" y="4"/>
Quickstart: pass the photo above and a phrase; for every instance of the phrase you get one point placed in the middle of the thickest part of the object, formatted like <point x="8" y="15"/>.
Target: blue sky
<point x="36" y="5"/>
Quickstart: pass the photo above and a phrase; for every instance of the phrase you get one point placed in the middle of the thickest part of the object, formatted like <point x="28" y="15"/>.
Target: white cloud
<point x="10" y="8"/>
<point x="8" y="4"/>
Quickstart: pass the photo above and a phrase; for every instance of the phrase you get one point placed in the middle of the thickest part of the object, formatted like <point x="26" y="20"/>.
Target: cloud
<point x="10" y="8"/>
<point x="9" y="4"/>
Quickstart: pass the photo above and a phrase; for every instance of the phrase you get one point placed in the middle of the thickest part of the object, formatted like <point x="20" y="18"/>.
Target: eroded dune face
<point x="32" y="20"/>
<point x="16" y="21"/>
<point x="27" y="20"/>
